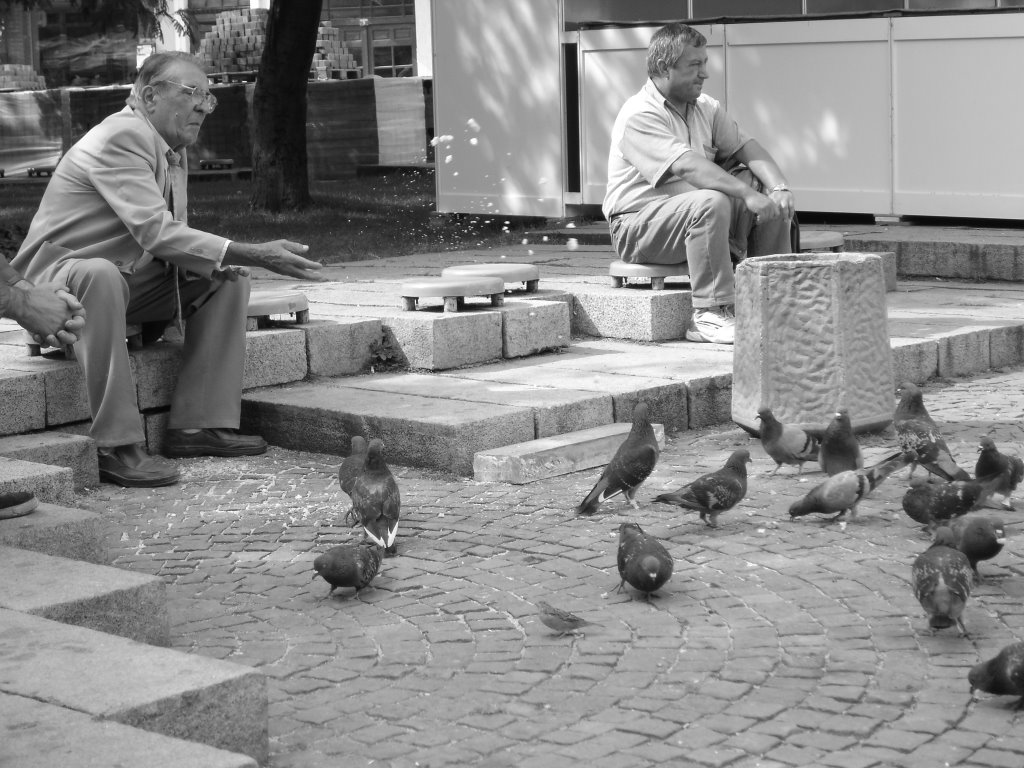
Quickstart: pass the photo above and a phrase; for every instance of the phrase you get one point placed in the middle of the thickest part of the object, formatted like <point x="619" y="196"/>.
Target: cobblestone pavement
<point x="776" y="643"/>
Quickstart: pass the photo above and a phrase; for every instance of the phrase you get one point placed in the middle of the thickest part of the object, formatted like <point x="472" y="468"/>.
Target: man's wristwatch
<point x="779" y="188"/>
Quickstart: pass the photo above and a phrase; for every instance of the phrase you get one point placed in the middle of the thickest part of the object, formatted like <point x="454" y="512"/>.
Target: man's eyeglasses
<point x="200" y="98"/>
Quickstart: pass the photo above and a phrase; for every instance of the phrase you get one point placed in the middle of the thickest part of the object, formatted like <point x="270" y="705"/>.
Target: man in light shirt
<point x="687" y="184"/>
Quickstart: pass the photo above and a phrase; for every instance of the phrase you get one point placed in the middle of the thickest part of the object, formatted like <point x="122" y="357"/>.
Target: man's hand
<point x="48" y="311"/>
<point x="763" y="207"/>
<point x="785" y="200"/>
<point x="280" y="256"/>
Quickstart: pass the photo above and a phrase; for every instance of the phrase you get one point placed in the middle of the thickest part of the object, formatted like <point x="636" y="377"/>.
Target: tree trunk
<point x="280" y="178"/>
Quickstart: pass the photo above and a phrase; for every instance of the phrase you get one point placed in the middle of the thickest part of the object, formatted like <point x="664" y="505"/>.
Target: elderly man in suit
<point x="112" y="227"/>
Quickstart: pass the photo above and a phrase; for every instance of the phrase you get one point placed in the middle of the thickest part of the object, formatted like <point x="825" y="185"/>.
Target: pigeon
<point x="713" y="493"/>
<point x="632" y="463"/>
<point x="1002" y="675"/>
<point x="350" y="469"/>
<point x="840" y="450"/>
<point x="785" y="443"/>
<point x="643" y="560"/>
<point x="348" y="565"/>
<point x="935" y="504"/>
<point x="376" y="500"/>
<point x="980" y="538"/>
<point x="842" y="492"/>
<point x="562" y="622"/>
<point x="1009" y="468"/>
<point x="916" y="431"/>
<point x="942" y="579"/>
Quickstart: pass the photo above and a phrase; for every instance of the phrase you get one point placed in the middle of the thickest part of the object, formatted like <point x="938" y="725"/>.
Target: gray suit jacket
<point x="107" y="199"/>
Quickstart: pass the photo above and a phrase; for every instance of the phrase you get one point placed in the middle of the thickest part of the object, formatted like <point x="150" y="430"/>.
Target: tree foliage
<point x="142" y="17"/>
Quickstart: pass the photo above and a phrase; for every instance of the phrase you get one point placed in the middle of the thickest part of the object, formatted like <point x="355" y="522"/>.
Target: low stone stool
<point x="528" y="275"/>
<point x="453" y="290"/>
<point x="622" y="272"/>
<point x="812" y="337"/>
<point x="263" y="304"/>
<point x="820" y="240"/>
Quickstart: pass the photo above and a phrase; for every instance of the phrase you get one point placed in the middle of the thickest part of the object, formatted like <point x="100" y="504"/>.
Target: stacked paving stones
<point x="235" y="43"/>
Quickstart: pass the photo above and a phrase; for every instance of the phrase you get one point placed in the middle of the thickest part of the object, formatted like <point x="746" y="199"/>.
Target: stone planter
<point x="811" y="337"/>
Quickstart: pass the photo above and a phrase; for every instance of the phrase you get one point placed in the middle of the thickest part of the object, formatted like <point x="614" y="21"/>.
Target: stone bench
<point x="525" y="275"/>
<point x="654" y="274"/>
<point x="453" y="291"/>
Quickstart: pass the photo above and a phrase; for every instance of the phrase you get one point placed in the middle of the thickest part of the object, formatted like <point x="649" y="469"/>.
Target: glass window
<point x="704" y="9"/>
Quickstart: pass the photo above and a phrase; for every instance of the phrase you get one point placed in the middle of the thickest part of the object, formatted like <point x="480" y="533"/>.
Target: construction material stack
<point x="235" y="44"/>
<point x="20" y="77"/>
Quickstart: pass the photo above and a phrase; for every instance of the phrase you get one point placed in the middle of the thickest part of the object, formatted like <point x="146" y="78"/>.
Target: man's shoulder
<point x="122" y="128"/>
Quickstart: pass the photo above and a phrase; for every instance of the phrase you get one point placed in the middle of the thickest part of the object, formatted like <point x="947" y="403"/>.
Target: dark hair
<point x="667" y="46"/>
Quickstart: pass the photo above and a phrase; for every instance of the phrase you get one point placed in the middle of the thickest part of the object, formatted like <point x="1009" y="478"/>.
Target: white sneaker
<point x="715" y="325"/>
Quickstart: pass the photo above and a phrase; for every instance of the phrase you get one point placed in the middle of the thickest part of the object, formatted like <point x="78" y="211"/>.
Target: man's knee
<point x="95" y="280"/>
<point x="711" y="202"/>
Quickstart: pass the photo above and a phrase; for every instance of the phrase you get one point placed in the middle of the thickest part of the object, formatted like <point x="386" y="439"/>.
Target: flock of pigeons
<point x="942" y="576"/>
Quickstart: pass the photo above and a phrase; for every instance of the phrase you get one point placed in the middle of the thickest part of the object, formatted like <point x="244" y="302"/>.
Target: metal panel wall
<point x="959" y="116"/>
<point x="498" y="90"/>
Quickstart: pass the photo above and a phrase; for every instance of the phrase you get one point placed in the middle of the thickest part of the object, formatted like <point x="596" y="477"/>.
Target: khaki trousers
<point x="208" y="391"/>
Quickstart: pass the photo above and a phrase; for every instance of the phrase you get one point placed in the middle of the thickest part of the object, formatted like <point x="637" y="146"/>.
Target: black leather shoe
<point x="16" y="504"/>
<point x="218" y="441"/>
<point x="132" y="467"/>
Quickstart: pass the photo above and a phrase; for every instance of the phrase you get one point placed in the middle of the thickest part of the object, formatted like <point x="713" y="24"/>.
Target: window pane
<point x="712" y="8"/>
<point x="851" y="6"/>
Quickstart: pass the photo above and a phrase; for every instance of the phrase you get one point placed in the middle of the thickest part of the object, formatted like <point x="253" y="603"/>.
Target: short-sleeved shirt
<point x="650" y="134"/>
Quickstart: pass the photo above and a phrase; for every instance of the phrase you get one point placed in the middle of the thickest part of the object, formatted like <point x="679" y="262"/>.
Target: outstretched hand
<point x="280" y="256"/>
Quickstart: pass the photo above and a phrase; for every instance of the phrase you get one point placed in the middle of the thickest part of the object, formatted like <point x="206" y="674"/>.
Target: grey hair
<point x="155" y="68"/>
<point x="667" y="46"/>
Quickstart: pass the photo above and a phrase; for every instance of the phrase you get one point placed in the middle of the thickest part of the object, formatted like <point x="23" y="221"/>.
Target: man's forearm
<point x="703" y="174"/>
<point x="9" y="277"/>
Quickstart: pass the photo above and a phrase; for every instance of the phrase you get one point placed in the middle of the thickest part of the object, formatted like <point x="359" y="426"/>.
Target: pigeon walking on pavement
<point x="643" y="561"/>
<point x="786" y="443"/>
<point x="980" y="538"/>
<point x="1002" y="675"/>
<point x="942" y="578"/>
<point x="562" y="622"/>
<point x="842" y="492"/>
<point x="935" y="504"/>
<point x="349" y="565"/>
<point x="716" y="492"/>
<point x="350" y="468"/>
<point x="376" y="499"/>
<point x="839" y="450"/>
<point x="632" y="463"/>
<point x="991" y="462"/>
<point x="916" y="431"/>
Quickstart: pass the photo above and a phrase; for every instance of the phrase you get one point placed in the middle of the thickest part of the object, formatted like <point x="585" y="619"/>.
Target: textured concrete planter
<point x="811" y="337"/>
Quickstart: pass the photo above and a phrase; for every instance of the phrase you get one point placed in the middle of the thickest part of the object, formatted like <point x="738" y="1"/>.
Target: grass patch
<point x="367" y="217"/>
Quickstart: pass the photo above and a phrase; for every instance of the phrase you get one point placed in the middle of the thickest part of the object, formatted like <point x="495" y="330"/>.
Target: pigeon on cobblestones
<point x="842" y="492"/>
<point x="350" y="468"/>
<point x="916" y="431"/>
<point x="715" y="492"/>
<point x="1009" y="468"/>
<point x="1002" y="675"/>
<point x="980" y="538"/>
<point x="643" y="560"/>
<point x="840" y="450"/>
<point x="785" y="443"/>
<point x="632" y="463"/>
<point x="562" y="622"/>
<point x="376" y="500"/>
<point x="349" y="565"/>
<point x="935" y="504"/>
<point x="942" y="579"/>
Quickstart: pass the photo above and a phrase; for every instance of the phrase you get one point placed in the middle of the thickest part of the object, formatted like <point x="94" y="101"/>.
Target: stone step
<point x="552" y="456"/>
<point x="60" y="449"/>
<point x="110" y="678"/>
<point x="99" y="597"/>
<point x="35" y="734"/>
<point x="51" y="484"/>
<point x="60" y="531"/>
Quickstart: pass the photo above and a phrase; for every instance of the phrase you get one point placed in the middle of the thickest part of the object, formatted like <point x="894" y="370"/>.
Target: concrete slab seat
<point x="40" y="735"/>
<point x="99" y="597"/>
<point x="654" y="274"/>
<point x="525" y="276"/>
<point x="110" y="678"/>
<point x="453" y="290"/>
<point x="265" y="304"/>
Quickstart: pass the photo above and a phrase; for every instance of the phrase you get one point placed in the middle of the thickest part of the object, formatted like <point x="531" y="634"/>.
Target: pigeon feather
<point x="840" y="450"/>
<point x="643" y="561"/>
<point x="632" y="463"/>
<point x="843" y="491"/>
<point x="376" y="498"/>
<point x="714" y="492"/>
<point x="1002" y="675"/>
<point x="786" y="443"/>
<point x="941" y="577"/>
<point x="916" y="431"/>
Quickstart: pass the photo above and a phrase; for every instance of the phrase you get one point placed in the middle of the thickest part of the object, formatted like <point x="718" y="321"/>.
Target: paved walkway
<point x="776" y="643"/>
